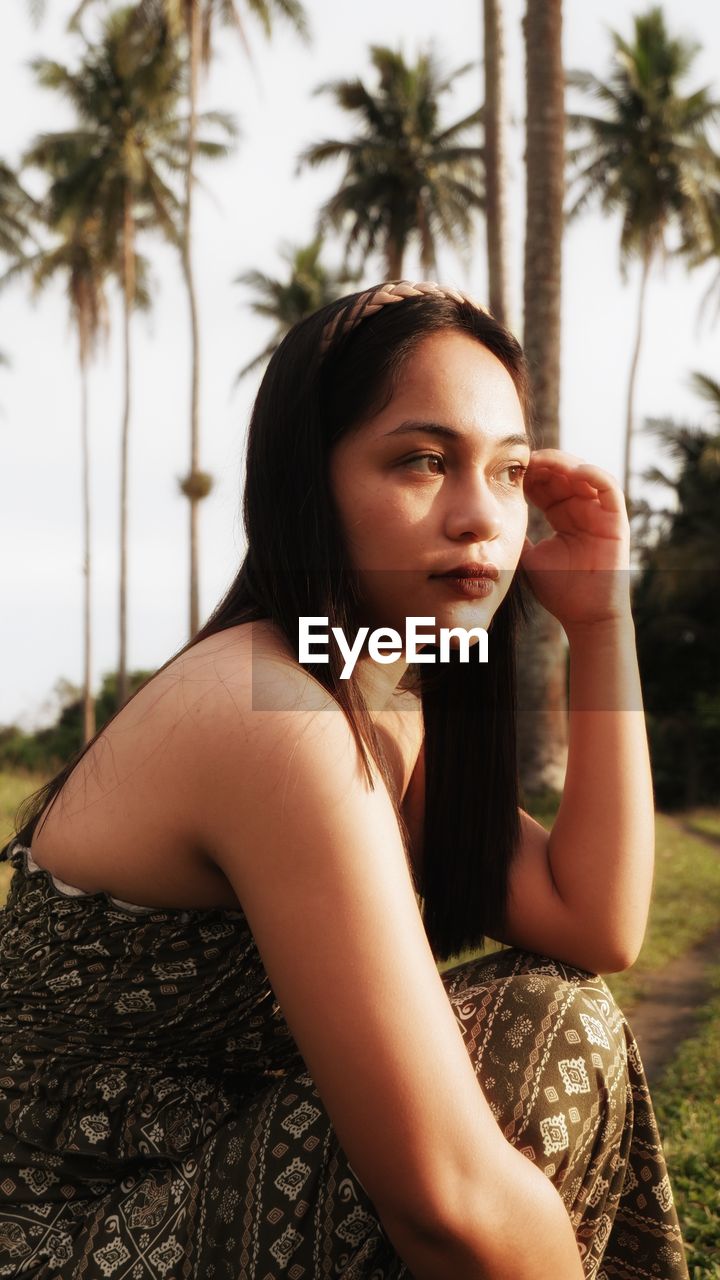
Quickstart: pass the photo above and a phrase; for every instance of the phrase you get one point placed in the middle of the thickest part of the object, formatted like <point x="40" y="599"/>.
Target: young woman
<point x="227" y="1049"/>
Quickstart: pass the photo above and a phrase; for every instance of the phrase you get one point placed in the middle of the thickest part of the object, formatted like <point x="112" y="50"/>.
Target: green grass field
<point x="687" y="1101"/>
<point x="685" y="906"/>
<point x="14" y="787"/>
<point x="706" y="822"/>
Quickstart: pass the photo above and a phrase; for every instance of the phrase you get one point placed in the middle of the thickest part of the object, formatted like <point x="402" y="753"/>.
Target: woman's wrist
<point x="611" y="628"/>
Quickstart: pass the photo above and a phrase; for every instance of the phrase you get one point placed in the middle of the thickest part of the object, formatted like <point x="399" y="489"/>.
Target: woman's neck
<point x="379" y="681"/>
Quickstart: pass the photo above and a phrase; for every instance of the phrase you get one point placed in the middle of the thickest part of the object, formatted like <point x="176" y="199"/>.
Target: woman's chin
<point x="467" y="615"/>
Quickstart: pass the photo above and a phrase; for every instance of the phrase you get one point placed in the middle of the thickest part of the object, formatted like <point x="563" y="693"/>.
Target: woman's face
<point x="434" y="483"/>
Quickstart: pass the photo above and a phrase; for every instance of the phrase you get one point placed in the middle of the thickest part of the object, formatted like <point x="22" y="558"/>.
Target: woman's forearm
<point x="602" y="844"/>
<point x="513" y="1226"/>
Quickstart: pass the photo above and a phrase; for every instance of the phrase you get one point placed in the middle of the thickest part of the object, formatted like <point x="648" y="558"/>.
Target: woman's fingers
<point x="554" y="476"/>
<point x="548" y="490"/>
<point x="608" y="491"/>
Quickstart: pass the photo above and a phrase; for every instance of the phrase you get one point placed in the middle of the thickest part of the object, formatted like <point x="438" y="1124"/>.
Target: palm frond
<point x="318" y="153"/>
<point x="407" y="173"/>
<point x="226" y="122"/>
<point x="647" y="155"/>
<point x="264" y="10"/>
<point x="467" y="122"/>
<point x="707" y="387"/>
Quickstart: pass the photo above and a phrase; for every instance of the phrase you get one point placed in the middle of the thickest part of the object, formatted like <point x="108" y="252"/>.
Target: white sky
<point x="254" y="204"/>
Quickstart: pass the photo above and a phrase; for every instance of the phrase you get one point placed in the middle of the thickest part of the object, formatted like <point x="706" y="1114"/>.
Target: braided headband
<point x="380" y="295"/>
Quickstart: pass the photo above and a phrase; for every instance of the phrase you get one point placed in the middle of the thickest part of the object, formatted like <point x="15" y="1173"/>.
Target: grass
<point x="706" y="822"/>
<point x="14" y="788"/>
<point x="685" y="905"/>
<point x="686" y="1105"/>
<point x="686" y="897"/>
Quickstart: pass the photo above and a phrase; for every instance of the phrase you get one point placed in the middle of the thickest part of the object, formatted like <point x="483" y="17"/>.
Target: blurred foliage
<point x="676" y="603"/>
<point x="45" y="751"/>
<point x="307" y="285"/>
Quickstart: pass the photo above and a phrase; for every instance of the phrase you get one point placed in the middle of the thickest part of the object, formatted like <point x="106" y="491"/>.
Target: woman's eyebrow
<point x="437" y="429"/>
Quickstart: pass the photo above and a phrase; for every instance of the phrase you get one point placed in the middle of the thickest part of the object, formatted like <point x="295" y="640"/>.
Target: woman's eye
<point x="425" y="457"/>
<point x="517" y="470"/>
<point x="435" y="461"/>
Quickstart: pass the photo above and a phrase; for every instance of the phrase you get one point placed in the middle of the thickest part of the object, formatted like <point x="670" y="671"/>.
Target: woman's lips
<point x="470" y="587"/>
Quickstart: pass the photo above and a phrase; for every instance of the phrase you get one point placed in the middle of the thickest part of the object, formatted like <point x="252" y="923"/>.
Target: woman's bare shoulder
<point x="255" y="715"/>
<point x="254" y="719"/>
<point x="247" y="674"/>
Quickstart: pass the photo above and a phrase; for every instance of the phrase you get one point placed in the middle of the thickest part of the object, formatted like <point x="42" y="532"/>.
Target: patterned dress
<point x="158" y="1120"/>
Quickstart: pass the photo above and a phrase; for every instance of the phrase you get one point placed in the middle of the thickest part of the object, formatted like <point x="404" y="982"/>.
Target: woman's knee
<point x="548" y="1044"/>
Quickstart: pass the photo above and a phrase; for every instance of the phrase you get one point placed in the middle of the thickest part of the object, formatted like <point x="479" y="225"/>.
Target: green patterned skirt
<point x="158" y="1120"/>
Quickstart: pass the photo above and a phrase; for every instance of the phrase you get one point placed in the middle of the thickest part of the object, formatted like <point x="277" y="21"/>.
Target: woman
<point x="227" y="1050"/>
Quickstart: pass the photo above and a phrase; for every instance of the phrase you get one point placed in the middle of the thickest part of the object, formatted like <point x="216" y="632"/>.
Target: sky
<point x="251" y="205"/>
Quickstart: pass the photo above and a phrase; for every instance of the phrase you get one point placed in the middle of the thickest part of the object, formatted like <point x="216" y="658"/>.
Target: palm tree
<point x="706" y="253"/>
<point x="648" y="157"/>
<point x="117" y="168"/>
<point x="543" y="727"/>
<point x="200" y="18"/>
<point x="18" y="211"/>
<point x="194" y="22"/>
<point x="495" y="158"/>
<point x="406" y="174"/>
<point x="708" y="388"/>
<point x="76" y="258"/>
<point x="309" y="286"/>
<point x="691" y="531"/>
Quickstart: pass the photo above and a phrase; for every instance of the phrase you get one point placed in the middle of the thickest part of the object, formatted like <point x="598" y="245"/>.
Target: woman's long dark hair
<point x="296" y="566"/>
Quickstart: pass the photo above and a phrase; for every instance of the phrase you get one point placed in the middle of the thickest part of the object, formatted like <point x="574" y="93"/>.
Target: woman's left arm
<point x="587" y="883"/>
<point x="601" y="848"/>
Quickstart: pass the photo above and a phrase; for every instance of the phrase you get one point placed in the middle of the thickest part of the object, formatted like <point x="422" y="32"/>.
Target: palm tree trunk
<point x="542" y="746"/>
<point x="495" y="154"/>
<point x="394" y="255"/>
<point x="88" y="700"/>
<point x="646" y="264"/>
<point x="128" y="296"/>
<point x="427" y="245"/>
<point x="193" y="496"/>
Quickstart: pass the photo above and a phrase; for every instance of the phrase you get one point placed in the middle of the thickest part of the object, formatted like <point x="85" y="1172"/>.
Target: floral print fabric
<point x="158" y="1120"/>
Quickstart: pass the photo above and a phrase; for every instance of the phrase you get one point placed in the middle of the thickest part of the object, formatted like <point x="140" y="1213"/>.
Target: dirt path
<point x="668" y="1013"/>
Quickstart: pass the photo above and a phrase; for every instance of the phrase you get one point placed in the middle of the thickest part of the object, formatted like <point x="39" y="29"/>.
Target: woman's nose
<point x="473" y="512"/>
